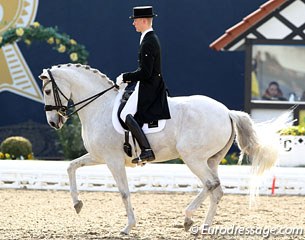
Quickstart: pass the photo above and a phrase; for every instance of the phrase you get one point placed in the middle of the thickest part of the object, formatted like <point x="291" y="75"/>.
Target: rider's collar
<point x="144" y="33"/>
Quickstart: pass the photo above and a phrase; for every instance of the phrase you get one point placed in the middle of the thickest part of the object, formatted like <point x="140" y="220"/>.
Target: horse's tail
<point x="259" y="142"/>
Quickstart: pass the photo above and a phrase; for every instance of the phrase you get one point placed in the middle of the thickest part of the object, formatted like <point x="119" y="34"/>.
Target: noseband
<point x="61" y="109"/>
<point x="56" y="93"/>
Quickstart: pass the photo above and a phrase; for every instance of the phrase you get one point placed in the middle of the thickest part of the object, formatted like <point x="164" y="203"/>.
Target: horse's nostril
<point x="52" y="124"/>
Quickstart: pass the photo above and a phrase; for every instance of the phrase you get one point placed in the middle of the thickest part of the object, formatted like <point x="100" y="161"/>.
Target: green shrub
<point x="70" y="138"/>
<point x="174" y="161"/>
<point x="17" y="147"/>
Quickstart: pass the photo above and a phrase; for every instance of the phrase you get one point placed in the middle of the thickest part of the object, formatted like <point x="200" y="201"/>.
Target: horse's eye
<point x="47" y="92"/>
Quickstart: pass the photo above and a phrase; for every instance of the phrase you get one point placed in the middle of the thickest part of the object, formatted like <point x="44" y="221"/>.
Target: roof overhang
<point x="232" y="34"/>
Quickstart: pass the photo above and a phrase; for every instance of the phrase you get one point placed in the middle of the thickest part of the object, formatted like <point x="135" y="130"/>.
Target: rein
<point x="61" y="110"/>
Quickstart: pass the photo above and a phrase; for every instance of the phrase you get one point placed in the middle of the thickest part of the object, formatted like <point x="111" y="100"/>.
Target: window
<point x="277" y="73"/>
<point x="275" y="79"/>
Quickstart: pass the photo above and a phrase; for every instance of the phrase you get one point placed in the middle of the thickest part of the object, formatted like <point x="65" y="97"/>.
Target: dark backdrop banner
<point x="185" y="28"/>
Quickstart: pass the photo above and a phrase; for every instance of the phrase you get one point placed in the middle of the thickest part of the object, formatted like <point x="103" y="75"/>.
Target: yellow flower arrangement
<point x="62" y="42"/>
<point x="27" y="42"/>
<point x="74" y="57"/>
<point x="230" y="159"/>
<point x="224" y="161"/>
<point x="50" y="40"/>
<point x="293" y="131"/>
<point x="7" y="155"/>
<point x="1" y="155"/>
<point x="61" y="48"/>
<point x="73" y="42"/>
<point x="36" y="24"/>
<point x="19" y="32"/>
<point x="234" y="156"/>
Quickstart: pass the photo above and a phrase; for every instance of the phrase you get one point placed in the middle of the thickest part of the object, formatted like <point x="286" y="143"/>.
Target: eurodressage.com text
<point x="248" y="231"/>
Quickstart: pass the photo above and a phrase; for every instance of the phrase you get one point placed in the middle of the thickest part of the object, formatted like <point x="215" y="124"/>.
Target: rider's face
<point x="139" y="24"/>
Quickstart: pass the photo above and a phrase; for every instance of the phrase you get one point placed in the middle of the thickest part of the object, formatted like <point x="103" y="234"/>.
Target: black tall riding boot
<point x="146" y="152"/>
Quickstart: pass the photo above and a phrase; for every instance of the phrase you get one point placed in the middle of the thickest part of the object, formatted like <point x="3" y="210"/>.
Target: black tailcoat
<point x="152" y="98"/>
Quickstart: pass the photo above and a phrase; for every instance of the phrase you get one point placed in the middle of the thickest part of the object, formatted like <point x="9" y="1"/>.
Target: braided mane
<point x="86" y="67"/>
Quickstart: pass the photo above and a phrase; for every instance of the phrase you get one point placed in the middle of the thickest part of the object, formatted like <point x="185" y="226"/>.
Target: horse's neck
<point x="87" y="86"/>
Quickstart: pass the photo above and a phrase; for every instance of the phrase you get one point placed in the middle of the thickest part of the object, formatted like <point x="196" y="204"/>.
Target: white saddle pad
<point x="131" y="108"/>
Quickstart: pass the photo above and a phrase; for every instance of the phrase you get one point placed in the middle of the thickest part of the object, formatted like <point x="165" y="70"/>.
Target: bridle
<point x="61" y="109"/>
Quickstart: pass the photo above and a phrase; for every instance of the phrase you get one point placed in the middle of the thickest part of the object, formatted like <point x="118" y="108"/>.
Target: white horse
<point x="200" y="132"/>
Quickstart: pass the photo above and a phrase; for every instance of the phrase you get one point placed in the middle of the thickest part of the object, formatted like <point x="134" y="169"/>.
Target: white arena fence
<point x="52" y="175"/>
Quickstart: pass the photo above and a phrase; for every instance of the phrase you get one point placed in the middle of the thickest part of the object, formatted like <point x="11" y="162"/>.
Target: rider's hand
<point x="119" y="80"/>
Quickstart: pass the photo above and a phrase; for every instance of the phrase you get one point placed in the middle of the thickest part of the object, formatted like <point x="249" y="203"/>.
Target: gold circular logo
<point x="15" y="75"/>
<point x="18" y="13"/>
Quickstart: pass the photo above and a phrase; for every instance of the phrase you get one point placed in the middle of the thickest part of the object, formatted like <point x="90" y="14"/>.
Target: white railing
<point x="152" y="177"/>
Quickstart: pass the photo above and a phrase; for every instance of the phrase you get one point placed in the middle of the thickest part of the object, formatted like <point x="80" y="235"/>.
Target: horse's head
<point x="60" y="81"/>
<point x="56" y="93"/>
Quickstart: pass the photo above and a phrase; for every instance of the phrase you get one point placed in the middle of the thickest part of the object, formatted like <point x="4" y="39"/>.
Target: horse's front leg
<point x="119" y="174"/>
<point x="82" y="161"/>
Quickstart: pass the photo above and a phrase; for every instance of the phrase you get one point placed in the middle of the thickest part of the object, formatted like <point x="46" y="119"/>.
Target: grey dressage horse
<point x="200" y="132"/>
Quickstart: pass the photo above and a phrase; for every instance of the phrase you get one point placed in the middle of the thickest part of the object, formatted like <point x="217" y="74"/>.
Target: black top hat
<point x="143" y="12"/>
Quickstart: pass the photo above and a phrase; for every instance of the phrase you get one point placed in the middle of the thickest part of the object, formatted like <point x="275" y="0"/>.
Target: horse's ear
<point x="44" y="75"/>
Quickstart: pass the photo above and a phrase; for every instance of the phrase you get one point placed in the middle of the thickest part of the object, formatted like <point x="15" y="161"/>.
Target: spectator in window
<point x="274" y="92"/>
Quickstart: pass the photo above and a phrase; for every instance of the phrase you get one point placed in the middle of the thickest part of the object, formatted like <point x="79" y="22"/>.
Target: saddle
<point x="130" y="107"/>
<point x="126" y="103"/>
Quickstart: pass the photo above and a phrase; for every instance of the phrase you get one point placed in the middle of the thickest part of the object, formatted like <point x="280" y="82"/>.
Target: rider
<point x="152" y="97"/>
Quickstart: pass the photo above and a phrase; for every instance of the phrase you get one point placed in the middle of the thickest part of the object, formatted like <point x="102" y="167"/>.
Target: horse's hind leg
<point x="217" y="193"/>
<point x="82" y="161"/>
<point x="215" y="197"/>
<point x="193" y="206"/>
<point x="210" y="182"/>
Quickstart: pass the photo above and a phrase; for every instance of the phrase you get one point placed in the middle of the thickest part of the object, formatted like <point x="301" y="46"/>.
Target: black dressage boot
<point x="147" y="154"/>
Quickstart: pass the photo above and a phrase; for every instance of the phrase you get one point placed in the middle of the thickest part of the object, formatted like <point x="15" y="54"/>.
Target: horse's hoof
<point x="123" y="233"/>
<point x="188" y="223"/>
<point x="126" y="230"/>
<point x="78" y="206"/>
